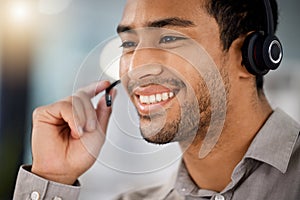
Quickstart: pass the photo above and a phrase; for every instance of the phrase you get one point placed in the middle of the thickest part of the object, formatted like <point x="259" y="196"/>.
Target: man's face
<point x="170" y="53"/>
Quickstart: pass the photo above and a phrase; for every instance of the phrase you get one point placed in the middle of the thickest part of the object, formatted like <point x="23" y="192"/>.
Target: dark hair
<point x="239" y="17"/>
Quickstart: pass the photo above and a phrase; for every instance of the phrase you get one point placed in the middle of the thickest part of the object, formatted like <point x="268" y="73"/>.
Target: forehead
<point x="138" y="13"/>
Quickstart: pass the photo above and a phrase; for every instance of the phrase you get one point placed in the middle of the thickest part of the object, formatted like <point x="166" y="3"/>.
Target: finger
<point x="58" y="114"/>
<point x="95" y="88"/>
<point x="79" y="113"/>
<point x="89" y="111"/>
<point x="87" y="118"/>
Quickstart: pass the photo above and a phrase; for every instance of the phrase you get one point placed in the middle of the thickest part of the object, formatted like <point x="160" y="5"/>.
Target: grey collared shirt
<point x="270" y="170"/>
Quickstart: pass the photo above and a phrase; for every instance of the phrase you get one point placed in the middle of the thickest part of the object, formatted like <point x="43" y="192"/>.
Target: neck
<point x="241" y="125"/>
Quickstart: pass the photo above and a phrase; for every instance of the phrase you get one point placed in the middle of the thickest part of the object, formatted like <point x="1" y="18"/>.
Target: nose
<point x="145" y="71"/>
<point x="144" y="63"/>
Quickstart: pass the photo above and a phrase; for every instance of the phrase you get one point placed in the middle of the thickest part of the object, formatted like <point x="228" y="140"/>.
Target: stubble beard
<point x="192" y="119"/>
<point x="153" y="131"/>
<point x="161" y="128"/>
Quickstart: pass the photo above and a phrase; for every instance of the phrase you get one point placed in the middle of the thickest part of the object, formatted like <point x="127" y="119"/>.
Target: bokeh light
<point x="20" y="11"/>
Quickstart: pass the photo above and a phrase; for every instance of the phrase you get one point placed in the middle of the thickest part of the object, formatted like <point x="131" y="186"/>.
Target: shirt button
<point x="35" y="195"/>
<point x="219" y="197"/>
<point x="57" y="198"/>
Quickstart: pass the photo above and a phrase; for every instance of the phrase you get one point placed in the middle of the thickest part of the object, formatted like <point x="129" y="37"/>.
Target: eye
<point x="168" y="39"/>
<point x="128" y="44"/>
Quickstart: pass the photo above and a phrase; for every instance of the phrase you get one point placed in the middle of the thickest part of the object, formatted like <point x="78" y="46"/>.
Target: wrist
<point x="55" y="177"/>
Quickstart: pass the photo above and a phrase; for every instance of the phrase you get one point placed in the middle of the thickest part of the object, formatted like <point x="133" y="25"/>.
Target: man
<point x="183" y="68"/>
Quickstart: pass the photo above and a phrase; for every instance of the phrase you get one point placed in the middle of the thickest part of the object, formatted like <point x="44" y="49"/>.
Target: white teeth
<point x="164" y="96"/>
<point x="144" y="99"/>
<point x="156" y="98"/>
<point x="152" y="99"/>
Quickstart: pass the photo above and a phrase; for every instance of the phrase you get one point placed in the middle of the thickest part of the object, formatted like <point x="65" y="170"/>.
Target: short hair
<point x="236" y="18"/>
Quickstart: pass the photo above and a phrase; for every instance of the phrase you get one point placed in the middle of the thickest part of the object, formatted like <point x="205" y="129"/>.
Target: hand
<point x="67" y="136"/>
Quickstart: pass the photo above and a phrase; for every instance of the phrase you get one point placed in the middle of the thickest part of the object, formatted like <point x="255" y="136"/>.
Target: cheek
<point x="188" y="74"/>
<point x="124" y="65"/>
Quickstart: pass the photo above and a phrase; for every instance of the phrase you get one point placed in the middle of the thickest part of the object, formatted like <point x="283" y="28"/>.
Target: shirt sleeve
<point x="32" y="187"/>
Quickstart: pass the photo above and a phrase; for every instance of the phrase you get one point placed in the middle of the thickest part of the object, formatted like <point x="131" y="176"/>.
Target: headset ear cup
<point x="272" y="52"/>
<point x="252" y="54"/>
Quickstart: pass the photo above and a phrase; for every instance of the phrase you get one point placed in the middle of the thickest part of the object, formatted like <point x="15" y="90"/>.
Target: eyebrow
<point x="174" y="21"/>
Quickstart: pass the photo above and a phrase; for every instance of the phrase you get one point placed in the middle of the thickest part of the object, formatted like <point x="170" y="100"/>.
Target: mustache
<point x="168" y="82"/>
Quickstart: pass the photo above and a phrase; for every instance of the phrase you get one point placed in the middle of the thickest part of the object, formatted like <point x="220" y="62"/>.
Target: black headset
<point x="262" y="50"/>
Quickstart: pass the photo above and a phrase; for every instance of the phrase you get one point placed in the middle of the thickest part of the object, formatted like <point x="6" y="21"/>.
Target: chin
<point x="163" y="135"/>
<point x="151" y="141"/>
<point x="158" y="138"/>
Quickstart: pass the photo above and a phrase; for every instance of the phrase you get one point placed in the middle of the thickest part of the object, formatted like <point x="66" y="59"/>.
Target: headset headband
<point x="269" y="17"/>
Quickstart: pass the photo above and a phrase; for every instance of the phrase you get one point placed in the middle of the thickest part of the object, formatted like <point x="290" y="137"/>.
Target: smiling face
<point x="171" y="50"/>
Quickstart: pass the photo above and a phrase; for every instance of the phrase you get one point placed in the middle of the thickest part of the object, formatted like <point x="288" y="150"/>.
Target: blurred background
<point x="44" y="46"/>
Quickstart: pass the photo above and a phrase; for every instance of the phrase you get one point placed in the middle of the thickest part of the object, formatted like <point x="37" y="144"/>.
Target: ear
<point x="237" y="58"/>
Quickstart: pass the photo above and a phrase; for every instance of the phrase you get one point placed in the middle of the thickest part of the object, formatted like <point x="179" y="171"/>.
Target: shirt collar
<point x="275" y="142"/>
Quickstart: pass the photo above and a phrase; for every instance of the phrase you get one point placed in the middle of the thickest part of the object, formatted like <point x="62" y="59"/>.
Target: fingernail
<point x="92" y="125"/>
<point x="80" y="131"/>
